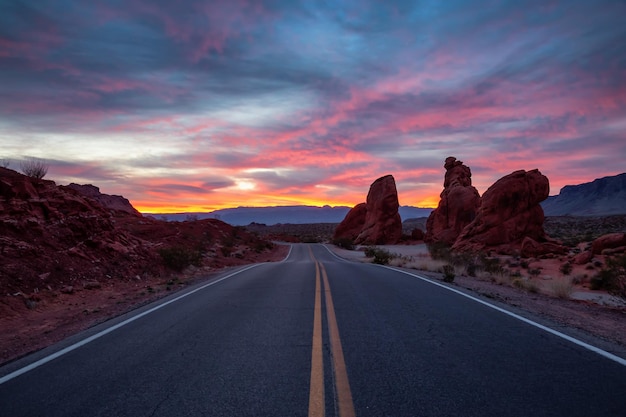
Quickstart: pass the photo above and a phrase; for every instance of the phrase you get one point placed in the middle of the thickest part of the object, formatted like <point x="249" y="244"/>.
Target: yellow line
<point x="316" y="394"/>
<point x="342" y="385"/>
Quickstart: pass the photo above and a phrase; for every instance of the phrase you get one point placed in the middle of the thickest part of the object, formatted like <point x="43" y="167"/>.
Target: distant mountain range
<point x="242" y="216"/>
<point x="602" y="197"/>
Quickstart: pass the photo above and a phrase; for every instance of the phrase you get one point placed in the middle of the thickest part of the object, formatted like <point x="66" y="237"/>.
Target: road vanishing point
<point x="315" y="335"/>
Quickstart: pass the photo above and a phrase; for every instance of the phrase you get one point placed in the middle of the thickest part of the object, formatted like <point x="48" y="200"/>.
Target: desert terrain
<point x="72" y="257"/>
<point x="57" y="314"/>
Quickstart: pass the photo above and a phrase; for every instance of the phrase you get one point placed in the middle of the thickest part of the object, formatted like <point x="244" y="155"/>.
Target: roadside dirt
<point x="605" y="322"/>
<point x="597" y="313"/>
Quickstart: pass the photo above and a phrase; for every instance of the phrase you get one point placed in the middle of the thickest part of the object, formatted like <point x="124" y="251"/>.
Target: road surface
<point x="310" y="336"/>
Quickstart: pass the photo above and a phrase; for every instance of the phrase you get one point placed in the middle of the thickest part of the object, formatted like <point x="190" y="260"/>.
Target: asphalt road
<point x="315" y="335"/>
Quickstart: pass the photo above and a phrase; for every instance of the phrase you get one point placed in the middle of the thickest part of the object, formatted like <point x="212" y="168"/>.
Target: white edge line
<point x="90" y="339"/>
<point x="288" y="254"/>
<point x="587" y="346"/>
<point x="333" y="253"/>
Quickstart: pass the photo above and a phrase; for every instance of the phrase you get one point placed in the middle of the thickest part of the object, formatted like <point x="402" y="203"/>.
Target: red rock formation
<point x="458" y="204"/>
<point x="509" y="212"/>
<point x="530" y="248"/>
<point x="51" y="237"/>
<point x="112" y="202"/>
<point x="383" y="224"/>
<point x="583" y="258"/>
<point x="50" y="231"/>
<point x="376" y="222"/>
<point x="352" y="224"/>
<point x="612" y="242"/>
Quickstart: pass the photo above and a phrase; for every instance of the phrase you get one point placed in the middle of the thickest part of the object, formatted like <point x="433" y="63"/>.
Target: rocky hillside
<point x="602" y="197"/>
<point x="55" y="238"/>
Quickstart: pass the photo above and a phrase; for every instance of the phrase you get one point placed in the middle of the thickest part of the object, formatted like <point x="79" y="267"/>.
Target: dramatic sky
<point x="198" y="105"/>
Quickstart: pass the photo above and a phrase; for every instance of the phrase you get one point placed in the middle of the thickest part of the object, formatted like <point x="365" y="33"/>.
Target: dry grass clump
<point x="399" y="262"/>
<point x="424" y="263"/>
<point x="525" y="284"/>
<point x="561" y="287"/>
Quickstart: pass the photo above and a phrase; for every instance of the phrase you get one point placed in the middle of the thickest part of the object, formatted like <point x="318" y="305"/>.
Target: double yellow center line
<point x="345" y="404"/>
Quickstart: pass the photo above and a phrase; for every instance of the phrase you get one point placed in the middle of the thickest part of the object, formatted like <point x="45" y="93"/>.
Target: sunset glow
<point x="197" y="106"/>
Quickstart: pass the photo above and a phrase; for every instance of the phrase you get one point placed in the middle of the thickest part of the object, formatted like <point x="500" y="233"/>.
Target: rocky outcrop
<point x="458" y="204"/>
<point x="352" y="224"/>
<point x="54" y="231"/>
<point x="611" y="243"/>
<point x="583" y="258"/>
<point x="376" y="222"/>
<point x="509" y="212"/>
<point x="112" y="202"/>
<point x="383" y="224"/>
<point x="52" y="237"/>
<point x="530" y="248"/>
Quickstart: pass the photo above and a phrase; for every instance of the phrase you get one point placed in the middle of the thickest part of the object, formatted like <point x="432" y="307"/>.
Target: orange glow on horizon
<point x="429" y="202"/>
<point x="262" y="201"/>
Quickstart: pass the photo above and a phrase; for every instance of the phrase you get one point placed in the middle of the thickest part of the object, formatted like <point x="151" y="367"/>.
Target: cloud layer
<point x="201" y="105"/>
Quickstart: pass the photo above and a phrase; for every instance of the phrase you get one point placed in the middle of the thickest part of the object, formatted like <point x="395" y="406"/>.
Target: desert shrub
<point x="439" y="250"/>
<point x="534" y="272"/>
<point x="34" y="168"/>
<point x="228" y="243"/>
<point x="344" y="242"/>
<point x="491" y="265"/>
<point x="381" y="256"/>
<point x="262" y="245"/>
<point x="370" y="251"/>
<point x="566" y="268"/>
<point x="448" y="272"/>
<point x="612" y="277"/>
<point x="180" y="257"/>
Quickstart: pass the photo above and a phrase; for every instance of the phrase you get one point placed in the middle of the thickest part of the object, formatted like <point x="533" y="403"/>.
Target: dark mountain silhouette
<point x="242" y="216"/>
<point x="601" y="197"/>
